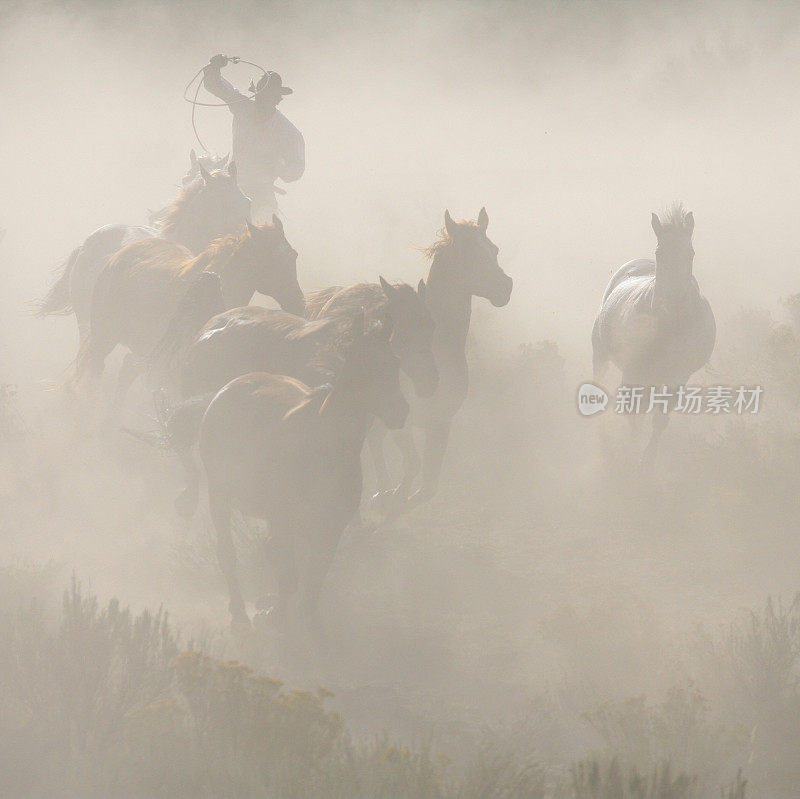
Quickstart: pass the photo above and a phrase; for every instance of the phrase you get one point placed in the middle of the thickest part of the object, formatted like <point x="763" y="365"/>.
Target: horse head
<point x="209" y="162"/>
<point x="674" y="256"/>
<point x="220" y="196"/>
<point x="270" y="263"/>
<point x="370" y="372"/>
<point x="476" y="254"/>
<point x="412" y="334"/>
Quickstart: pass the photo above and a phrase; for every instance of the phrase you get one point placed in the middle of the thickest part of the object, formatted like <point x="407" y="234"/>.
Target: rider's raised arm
<point x="217" y="85"/>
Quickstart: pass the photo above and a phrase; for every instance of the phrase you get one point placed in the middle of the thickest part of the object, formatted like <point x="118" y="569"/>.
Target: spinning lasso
<point x="195" y="103"/>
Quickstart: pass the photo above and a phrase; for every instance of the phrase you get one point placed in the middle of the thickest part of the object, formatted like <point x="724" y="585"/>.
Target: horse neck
<point x="237" y="285"/>
<point x="195" y="227"/>
<point x="448" y="300"/>
<point x="667" y="288"/>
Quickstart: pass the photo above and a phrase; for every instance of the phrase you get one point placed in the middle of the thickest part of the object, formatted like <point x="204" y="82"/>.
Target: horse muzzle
<point x="503" y="294"/>
<point x="293" y="302"/>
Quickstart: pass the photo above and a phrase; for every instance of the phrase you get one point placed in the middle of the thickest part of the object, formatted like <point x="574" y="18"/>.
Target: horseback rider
<point x="266" y="145"/>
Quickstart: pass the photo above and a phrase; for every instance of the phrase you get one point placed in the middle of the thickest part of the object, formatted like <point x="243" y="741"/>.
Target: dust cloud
<point x="549" y="593"/>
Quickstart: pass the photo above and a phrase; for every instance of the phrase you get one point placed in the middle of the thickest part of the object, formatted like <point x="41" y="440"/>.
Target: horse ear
<point x="449" y="225"/>
<point x="251" y="228"/>
<point x="231" y="169"/>
<point x="689" y="219"/>
<point x="388" y="288"/>
<point x="204" y="173"/>
<point x="192" y="157"/>
<point x="276" y="221"/>
<point x="656" y="223"/>
<point x="421" y="287"/>
<point x="483" y="220"/>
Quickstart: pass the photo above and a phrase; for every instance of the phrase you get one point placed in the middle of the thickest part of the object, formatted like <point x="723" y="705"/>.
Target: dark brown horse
<point x="210" y="206"/>
<point x="281" y="451"/>
<point x="411" y="322"/>
<point x="236" y="342"/>
<point x="255" y="339"/>
<point x="138" y="292"/>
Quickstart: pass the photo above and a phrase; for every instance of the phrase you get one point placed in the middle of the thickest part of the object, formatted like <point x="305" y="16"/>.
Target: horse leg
<point x="399" y="497"/>
<point x="219" y="505"/>
<point x="319" y="562"/>
<point x="186" y="501"/>
<point x="437" y="433"/>
<point x="129" y="371"/>
<point x="660" y="422"/>
<point x="375" y="439"/>
<point x="411" y="462"/>
<point x="385" y="498"/>
<point x="280" y="552"/>
<point x="395" y="501"/>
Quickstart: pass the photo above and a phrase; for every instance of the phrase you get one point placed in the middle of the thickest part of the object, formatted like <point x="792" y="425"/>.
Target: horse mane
<point x="673" y="217"/>
<point x="173" y="213"/>
<point x="443" y="239"/>
<point x="331" y="347"/>
<point x="220" y="249"/>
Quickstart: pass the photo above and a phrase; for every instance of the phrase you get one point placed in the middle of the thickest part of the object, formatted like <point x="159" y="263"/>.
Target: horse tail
<point x="57" y="300"/>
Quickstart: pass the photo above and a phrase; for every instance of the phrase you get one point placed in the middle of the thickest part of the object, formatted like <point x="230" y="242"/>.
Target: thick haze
<point x="570" y="122"/>
<point x="543" y="557"/>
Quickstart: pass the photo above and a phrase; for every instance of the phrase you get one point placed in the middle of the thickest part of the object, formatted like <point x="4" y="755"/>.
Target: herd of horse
<point x="276" y="406"/>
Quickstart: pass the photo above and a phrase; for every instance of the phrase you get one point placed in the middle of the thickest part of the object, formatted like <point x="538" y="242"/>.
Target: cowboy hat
<point x="272" y="81"/>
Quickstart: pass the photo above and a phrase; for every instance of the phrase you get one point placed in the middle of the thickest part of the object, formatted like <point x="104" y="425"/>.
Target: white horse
<point x="654" y="324"/>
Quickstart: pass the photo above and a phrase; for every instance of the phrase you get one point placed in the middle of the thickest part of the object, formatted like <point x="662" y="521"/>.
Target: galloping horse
<point x="654" y="324"/>
<point x="411" y="322"/>
<point x="236" y="342"/>
<point x="139" y="290"/>
<point x="463" y="265"/>
<point x="254" y="339"/>
<point x="210" y="206"/>
<point x="284" y="452"/>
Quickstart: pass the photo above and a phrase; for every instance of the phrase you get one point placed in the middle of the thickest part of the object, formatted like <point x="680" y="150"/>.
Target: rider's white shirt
<point x="264" y="147"/>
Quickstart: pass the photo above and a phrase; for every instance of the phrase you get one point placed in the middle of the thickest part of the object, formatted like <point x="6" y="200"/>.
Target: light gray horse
<point x="654" y="324"/>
